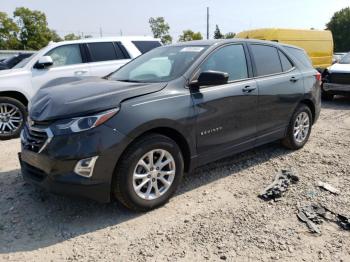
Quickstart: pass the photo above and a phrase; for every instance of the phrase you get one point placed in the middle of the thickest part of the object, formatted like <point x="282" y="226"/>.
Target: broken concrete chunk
<point x="328" y="187"/>
<point x="315" y="214"/>
<point x="281" y="183"/>
<point x="343" y="222"/>
<point x="311" y="225"/>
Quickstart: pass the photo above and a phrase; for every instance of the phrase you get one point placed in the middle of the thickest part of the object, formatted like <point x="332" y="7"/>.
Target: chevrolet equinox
<point x="134" y="133"/>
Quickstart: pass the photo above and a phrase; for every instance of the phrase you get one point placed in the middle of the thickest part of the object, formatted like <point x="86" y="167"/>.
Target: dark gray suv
<point x="134" y="133"/>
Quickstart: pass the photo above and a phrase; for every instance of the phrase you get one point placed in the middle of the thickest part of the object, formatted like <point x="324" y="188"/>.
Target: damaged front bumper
<point x="54" y="167"/>
<point x="336" y="88"/>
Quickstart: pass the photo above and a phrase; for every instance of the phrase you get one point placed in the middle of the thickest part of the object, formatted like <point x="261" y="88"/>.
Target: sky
<point x="130" y="17"/>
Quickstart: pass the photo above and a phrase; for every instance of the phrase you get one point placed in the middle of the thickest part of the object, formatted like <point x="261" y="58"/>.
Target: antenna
<point x="207" y="22"/>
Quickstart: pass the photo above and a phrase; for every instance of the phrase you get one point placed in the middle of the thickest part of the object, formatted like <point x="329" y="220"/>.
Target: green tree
<point x="34" y="32"/>
<point x="217" y="33"/>
<point x="72" y="37"/>
<point x="340" y="27"/>
<point x="230" y="35"/>
<point x="160" y="29"/>
<point x="189" y="35"/>
<point x="55" y="37"/>
<point x="8" y="33"/>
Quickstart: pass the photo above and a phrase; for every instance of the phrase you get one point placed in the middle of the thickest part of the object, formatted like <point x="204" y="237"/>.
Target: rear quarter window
<point x="145" y="46"/>
<point x="300" y="55"/>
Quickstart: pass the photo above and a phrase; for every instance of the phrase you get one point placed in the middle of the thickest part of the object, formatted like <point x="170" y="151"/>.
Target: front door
<point x="67" y="62"/>
<point x="226" y="114"/>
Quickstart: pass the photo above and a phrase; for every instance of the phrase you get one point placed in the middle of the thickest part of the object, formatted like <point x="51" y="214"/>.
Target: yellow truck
<point x="317" y="44"/>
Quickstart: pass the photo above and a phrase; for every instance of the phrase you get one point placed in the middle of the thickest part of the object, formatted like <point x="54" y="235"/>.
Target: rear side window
<point x="103" y="51"/>
<point x="300" y="55"/>
<point x="229" y="59"/>
<point x="145" y="46"/>
<point x="286" y="64"/>
<point x="266" y="59"/>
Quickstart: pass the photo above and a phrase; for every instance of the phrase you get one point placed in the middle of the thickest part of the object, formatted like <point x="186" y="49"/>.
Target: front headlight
<point x="80" y="124"/>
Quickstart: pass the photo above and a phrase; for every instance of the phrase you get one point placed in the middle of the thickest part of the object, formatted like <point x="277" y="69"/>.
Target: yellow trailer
<point x="318" y="44"/>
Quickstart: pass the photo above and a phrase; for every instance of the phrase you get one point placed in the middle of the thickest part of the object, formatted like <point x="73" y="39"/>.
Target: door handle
<point x="82" y="72"/>
<point x="248" y="89"/>
<point x="294" y="79"/>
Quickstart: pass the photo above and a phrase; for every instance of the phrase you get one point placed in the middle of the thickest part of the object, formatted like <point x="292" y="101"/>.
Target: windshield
<point x="9" y="59"/>
<point x="23" y="62"/>
<point x="159" y="65"/>
<point x="345" y="59"/>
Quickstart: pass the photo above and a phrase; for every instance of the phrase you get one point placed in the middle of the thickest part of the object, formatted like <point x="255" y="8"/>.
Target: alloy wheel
<point x="154" y="174"/>
<point x="301" y="127"/>
<point x="11" y="119"/>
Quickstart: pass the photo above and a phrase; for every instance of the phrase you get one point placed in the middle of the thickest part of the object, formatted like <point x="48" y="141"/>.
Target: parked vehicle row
<point x="318" y="44"/>
<point x="87" y="57"/>
<point x="133" y="134"/>
<point x="11" y="61"/>
<point x="336" y="79"/>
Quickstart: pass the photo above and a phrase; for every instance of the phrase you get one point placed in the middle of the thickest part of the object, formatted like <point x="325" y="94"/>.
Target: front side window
<point x="103" y="51"/>
<point x="267" y="61"/>
<point x="65" y="55"/>
<point x="159" y="65"/>
<point x="229" y="59"/>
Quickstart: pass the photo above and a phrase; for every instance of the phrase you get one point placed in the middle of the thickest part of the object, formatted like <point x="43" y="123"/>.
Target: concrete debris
<point x="314" y="215"/>
<point x="328" y="187"/>
<point x="281" y="183"/>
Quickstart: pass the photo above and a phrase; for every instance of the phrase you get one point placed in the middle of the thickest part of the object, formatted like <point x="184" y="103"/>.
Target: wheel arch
<point x="174" y="134"/>
<point x="310" y="105"/>
<point x="16" y="95"/>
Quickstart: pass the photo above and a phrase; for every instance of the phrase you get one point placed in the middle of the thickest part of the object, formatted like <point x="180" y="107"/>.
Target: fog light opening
<point x="85" y="167"/>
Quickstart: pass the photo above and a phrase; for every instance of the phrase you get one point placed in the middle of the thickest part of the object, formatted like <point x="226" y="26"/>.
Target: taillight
<point x="318" y="77"/>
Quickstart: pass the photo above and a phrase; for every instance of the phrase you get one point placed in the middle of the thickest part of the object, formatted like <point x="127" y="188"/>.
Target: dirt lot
<point x="216" y="214"/>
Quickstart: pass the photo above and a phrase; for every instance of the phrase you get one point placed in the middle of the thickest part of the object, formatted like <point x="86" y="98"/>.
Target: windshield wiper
<point x="129" y="81"/>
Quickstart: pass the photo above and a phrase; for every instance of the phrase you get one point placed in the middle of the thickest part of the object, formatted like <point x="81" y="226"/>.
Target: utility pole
<point x="207" y="22"/>
<point x="101" y="32"/>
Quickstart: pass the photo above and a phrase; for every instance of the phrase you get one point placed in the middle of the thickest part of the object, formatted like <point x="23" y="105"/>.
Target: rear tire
<point x="299" y="128"/>
<point x="12" y="117"/>
<point x="140" y="181"/>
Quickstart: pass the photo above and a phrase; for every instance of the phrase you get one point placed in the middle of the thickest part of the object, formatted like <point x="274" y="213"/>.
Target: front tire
<point x="299" y="128"/>
<point x="12" y="117"/>
<point x="148" y="173"/>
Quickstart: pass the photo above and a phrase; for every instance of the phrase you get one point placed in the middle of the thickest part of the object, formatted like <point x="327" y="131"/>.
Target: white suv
<point x="87" y="57"/>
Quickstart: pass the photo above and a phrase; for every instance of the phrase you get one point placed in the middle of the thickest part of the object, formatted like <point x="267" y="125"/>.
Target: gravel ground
<point x="216" y="214"/>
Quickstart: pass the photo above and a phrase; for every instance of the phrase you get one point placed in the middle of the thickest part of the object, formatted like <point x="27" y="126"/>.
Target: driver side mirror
<point x="210" y="78"/>
<point x="44" y="62"/>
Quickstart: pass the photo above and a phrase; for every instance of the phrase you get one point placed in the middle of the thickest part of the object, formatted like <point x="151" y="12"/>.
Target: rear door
<point x="280" y="86"/>
<point x="68" y="61"/>
<point x="226" y="114"/>
<point x="106" y="57"/>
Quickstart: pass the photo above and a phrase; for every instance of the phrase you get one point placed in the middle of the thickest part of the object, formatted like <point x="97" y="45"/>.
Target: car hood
<point x="339" y="68"/>
<point x="75" y="96"/>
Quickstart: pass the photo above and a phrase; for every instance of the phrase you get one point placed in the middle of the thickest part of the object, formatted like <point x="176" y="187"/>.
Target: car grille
<point x="34" y="139"/>
<point x="339" y="78"/>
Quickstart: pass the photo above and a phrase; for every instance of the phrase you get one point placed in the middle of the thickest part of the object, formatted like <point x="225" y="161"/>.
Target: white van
<point x="86" y="57"/>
